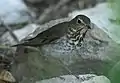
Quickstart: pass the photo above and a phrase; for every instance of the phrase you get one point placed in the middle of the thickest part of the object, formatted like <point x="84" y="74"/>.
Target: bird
<point x="74" y="30"/>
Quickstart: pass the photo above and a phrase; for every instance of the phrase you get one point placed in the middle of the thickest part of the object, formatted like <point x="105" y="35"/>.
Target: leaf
<point x="6" y="76"/>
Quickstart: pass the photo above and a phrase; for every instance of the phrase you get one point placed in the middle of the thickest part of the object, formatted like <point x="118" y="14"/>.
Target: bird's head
<point x="80" y="21"/>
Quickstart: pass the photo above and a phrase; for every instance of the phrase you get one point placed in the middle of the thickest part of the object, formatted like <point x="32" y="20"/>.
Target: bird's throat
<point x="77" y="37"/>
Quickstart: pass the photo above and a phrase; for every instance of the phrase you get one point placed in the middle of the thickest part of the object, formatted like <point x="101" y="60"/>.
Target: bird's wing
<point x="46" y="36"/>
<point x="37" y="41"/>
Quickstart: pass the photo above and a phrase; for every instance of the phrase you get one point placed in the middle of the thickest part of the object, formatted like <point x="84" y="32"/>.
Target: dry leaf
<point x="7" y="76"/>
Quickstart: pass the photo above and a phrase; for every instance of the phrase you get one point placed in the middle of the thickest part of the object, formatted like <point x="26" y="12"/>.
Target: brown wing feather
<point x="47" y="36"/>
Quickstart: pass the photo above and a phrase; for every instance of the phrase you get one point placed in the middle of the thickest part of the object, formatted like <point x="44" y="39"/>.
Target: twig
<point x="4" y="47"/>
<point x="52" y="8"/>
<point x="9" y="30"/>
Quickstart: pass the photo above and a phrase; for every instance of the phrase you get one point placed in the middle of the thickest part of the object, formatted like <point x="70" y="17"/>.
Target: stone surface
<point x="98" y="79"/>
<point x="88" y="78"/>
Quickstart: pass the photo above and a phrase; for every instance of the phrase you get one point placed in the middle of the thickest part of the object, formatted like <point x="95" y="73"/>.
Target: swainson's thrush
<point x="74" y="30"/>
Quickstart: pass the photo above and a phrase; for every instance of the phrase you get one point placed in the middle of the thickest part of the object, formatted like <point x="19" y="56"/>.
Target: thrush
<point x="74" y="30"/>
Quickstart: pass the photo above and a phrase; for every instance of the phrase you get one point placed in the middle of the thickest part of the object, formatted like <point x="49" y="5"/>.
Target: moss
<point x="115" y="5"/>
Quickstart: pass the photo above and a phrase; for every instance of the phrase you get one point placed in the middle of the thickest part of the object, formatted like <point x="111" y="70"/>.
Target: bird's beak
<point x="89" y="27"/>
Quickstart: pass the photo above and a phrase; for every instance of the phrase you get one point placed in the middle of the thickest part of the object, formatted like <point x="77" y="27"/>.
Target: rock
<point x="14" y="12"/>
<point x="87" y="78"/>
<point x="98" y="79"/>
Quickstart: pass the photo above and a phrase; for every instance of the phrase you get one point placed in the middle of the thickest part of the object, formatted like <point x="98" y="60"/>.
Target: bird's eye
<point x="79" y="21"/>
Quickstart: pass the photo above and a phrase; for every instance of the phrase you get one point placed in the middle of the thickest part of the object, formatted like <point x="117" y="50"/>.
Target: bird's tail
<point x="26" y="44"/>
<point x="21" y="44"/>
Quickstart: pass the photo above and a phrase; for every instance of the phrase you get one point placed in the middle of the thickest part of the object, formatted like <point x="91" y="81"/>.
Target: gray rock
<point x="98" y="79"/>
<point x="87" y="78"/>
